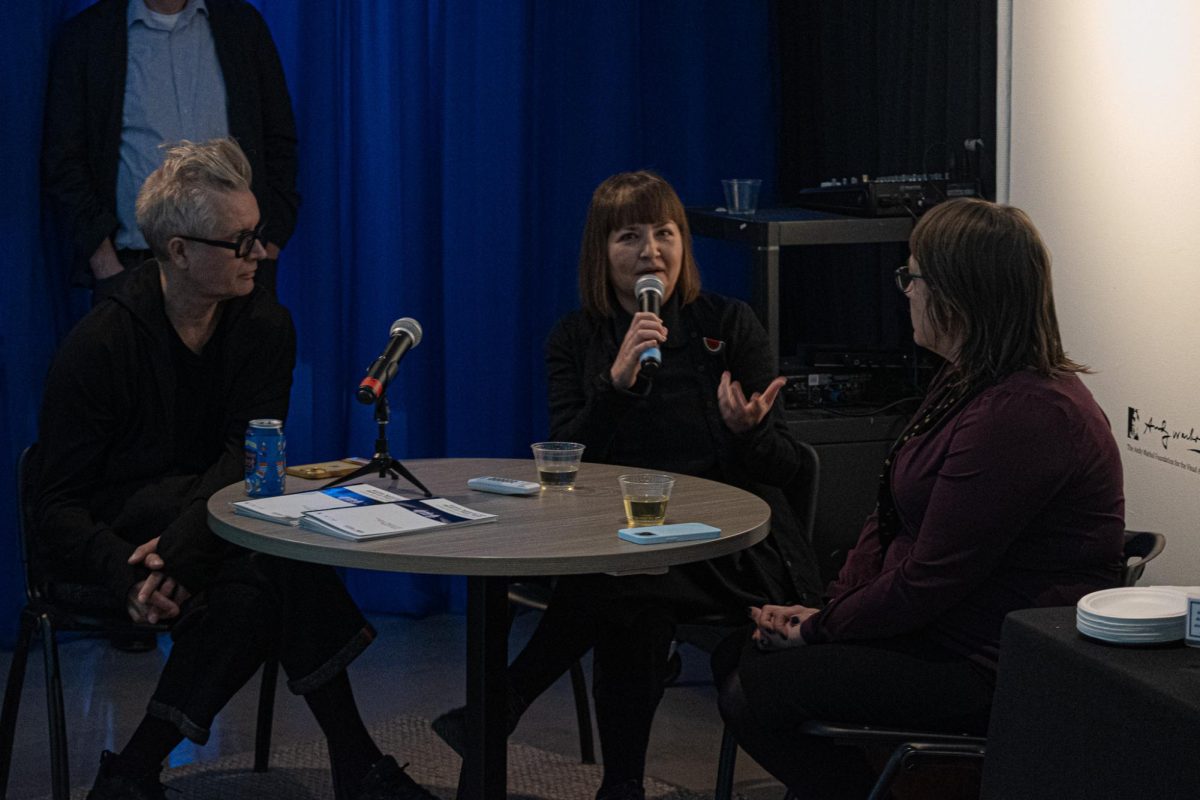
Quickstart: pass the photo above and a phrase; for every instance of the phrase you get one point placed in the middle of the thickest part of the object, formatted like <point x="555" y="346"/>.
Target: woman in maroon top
<point x="1004" y="492"/>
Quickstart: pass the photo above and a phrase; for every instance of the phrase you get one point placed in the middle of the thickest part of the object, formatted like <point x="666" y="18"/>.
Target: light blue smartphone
<point x="677" y="532"/>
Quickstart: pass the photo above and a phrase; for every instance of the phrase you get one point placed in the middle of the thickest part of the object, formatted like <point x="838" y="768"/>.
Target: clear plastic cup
<point x="741" y="195"/>
<point x="645" y="495"/>
<point x="557" y="464"/>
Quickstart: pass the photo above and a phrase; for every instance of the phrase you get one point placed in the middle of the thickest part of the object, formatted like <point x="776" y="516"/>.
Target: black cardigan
<point x="106" y="480"/>
<point x="85" y="101"/>
<point x="708" y="336"/>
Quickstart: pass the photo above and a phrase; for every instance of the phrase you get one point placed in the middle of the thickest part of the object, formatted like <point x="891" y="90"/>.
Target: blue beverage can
<point x="266" y="458"/>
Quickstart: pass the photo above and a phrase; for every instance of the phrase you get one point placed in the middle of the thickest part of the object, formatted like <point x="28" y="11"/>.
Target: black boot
<point x="110" y="785"/>
<point x="452" y="726"/>
<point x="388" y="781"/>
<point x="625" y="790"/>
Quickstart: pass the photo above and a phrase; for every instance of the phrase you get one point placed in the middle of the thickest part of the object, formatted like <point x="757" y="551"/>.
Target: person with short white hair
<point x="143" y="419"/>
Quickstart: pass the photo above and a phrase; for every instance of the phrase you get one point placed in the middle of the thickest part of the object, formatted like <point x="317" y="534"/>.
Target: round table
<point x="551" y="533"/>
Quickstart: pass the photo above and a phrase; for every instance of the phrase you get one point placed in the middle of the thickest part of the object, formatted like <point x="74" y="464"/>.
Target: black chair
<point x="705" y="632"/>
<point x="1143" y="546"/>
<point x="907" y="747"/>
<point x="55" y="606"/>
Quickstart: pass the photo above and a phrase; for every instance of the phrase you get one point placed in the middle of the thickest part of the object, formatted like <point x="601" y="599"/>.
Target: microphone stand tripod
<point x="382" y="462"/>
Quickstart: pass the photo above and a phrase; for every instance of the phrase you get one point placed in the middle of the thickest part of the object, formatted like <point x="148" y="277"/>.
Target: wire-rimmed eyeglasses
<point x="242" y="246"/>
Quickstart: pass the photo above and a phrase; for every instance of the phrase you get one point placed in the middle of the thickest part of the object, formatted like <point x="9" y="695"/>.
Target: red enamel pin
<point x="713" y="345"/>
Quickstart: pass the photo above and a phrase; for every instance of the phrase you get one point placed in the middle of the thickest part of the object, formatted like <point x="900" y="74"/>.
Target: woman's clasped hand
<point x="778" y="627"/>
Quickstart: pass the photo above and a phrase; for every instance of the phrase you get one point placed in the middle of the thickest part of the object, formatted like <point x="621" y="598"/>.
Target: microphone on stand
<point x="405" y="334"/>
<point x="649" y="291"/>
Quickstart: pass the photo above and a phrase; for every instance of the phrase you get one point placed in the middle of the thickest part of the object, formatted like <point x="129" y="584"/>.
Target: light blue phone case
<point x="678" y="532"/>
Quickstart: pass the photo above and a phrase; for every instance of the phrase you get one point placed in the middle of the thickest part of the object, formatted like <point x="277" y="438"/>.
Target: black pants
<point x="629" y="621"/>
<point x="257" y="607"/>
<point x="907" y="682"/>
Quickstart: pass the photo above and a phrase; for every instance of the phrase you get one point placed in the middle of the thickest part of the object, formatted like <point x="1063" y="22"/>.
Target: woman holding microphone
<point x="709" y="410"/>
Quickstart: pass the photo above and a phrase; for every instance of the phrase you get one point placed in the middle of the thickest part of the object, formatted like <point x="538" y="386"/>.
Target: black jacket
<point x="106" y="478"/>
<point x="85" y="101"/>
<point x="705" y="338"/>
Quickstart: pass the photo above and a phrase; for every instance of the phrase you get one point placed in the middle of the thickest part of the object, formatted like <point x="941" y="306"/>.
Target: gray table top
<point x="553" y="533"/>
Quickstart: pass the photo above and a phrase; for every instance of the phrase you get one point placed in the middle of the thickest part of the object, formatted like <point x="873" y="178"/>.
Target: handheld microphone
<point x="649" y="291"/>
<point x="405" y="335"/>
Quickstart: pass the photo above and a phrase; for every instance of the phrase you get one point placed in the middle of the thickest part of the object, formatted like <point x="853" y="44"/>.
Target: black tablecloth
<point x="1077" y="718"/>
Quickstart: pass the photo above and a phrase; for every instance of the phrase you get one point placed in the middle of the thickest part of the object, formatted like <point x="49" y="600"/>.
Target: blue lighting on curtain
<point x="448" y="151"/>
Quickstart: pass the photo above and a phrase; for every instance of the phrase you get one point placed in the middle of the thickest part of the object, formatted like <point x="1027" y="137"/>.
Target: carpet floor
<point x="301" y="771"/>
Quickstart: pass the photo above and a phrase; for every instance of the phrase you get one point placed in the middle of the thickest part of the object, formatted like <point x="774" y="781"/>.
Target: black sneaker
<point x="388" y="781"/>
<point x="451" y="727"/>
<point x="626" y="790"/>
<point x="111" y="786"/>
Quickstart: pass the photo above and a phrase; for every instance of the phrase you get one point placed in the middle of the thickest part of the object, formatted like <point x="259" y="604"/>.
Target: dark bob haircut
<point x="630" y="198"/>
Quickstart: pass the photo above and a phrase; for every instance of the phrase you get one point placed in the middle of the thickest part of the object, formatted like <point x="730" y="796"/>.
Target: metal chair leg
<point x="12" y="696"/>
<point x="266" y="714"/>
<point x="583" y="715"/>
<point x="60" y="768"/>
<point x="910" y="750"/>
<point x="891" y="771"/>
<point x="725" y="764"/>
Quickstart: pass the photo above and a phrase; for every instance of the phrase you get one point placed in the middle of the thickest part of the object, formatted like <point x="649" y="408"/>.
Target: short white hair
<point x="177" y="198"/>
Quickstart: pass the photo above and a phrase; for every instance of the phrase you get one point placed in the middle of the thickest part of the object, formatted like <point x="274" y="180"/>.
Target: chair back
<point x="802" y="493"/>
<point x="34" y="589"/>
<point x="81" y="605"/>
<point x="1140" y="548"/>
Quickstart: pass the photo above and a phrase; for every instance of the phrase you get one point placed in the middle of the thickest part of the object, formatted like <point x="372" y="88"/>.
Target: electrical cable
<point x="869" y="412"/>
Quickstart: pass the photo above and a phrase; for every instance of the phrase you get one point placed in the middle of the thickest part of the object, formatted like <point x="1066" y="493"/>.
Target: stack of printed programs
<point x="360" y="511"/>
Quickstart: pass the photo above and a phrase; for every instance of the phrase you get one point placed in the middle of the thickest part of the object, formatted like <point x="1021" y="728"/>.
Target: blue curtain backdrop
<point x="448" y="151"/>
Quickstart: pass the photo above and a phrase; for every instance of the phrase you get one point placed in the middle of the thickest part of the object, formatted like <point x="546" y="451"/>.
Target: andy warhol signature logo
<point x="1160" y="432"/>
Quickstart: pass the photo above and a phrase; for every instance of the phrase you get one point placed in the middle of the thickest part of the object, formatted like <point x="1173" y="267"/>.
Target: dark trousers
<point x="907" y="682"/>
<point x="629" y="622"/>
<point x="257" y="607"/>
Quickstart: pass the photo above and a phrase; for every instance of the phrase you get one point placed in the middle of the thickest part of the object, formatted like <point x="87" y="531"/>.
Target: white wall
<point x="1104" y="154"/>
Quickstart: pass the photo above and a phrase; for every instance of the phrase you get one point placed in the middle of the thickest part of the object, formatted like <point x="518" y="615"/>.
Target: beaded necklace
<point x="951" y="396"/>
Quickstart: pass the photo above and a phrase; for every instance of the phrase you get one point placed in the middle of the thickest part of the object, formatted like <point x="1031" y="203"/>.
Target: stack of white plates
<point x="1133" y="615"/>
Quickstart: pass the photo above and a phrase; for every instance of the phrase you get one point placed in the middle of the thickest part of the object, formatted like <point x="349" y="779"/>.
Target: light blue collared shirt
<point x="174" y="90"/>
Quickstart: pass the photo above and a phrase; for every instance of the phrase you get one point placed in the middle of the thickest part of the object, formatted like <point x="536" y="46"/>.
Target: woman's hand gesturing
<point x="644" y="332"/>
<point x="740" y="414"/>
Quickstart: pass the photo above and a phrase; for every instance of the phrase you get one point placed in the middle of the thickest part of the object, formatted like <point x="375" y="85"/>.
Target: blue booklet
<point x="287" y="509"/>
<point x="393" y="519"/>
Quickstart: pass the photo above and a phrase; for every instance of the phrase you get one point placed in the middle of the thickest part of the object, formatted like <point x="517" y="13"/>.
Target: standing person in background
<point x="692" y="417"/>
<point x="127" y="76"/>
<point x="1004" y="492"/>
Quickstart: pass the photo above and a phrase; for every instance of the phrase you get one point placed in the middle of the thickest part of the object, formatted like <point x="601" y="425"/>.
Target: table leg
<point x="484" y="773"/>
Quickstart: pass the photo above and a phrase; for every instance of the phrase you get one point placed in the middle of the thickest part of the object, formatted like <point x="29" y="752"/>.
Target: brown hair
<point x="988" y="274"/>
<point x="630" y="198"/>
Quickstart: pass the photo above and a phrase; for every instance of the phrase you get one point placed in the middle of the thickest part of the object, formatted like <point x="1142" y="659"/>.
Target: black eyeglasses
<point x="905" y="278"/>
<point x="242" y="246"/>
